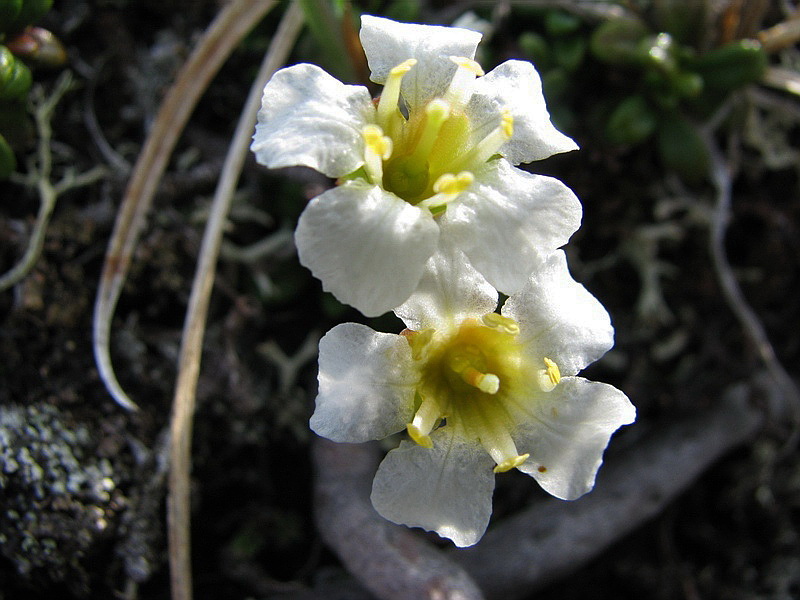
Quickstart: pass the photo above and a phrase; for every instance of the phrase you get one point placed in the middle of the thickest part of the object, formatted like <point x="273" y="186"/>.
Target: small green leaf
<point x="632" y="122"/>
<point x="569" y="52"/>
<point x="682" y="149"/>
<point x="731" y="66"/>
<point x="536" y="48"/>
<point x="558" y="22"/>
<point x="9" y="10"/>
<point x="616" y="42"/>
<point x="8" y="162"/>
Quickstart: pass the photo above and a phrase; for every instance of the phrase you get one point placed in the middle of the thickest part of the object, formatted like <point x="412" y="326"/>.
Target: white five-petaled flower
<point x="477" y="391"/>
<point x="428" y="163"/>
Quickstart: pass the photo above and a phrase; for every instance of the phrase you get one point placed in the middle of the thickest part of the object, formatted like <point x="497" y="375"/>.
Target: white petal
<point x="309" y="118"/>
<point x="367" y="246"/>
<point x="450" y="291"/>
<point x="559" y="319"/>
<point x="366" y="384"/>
<point x="567" y="433"/>
<point x="388" y="43"/>
<point x="509" y="218"/>
<point x="446" y="489"/>
<point x="515" y="85"/>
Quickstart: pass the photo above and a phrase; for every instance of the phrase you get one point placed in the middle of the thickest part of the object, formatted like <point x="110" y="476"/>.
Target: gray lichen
<point x="60" y="497"/>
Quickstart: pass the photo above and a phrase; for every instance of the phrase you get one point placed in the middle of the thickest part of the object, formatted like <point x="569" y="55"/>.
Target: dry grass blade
<point x="178" y="507"/>
<point x="219" y="40"/>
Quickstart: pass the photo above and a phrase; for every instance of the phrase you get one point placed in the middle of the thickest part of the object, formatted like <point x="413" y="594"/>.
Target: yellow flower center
<point x="427" y="156"/>
<point x="471" y="379"/>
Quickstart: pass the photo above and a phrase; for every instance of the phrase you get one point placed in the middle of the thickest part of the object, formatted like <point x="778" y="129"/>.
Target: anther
<point x="549" y="376"/>
<point x="511" y="463"/>
<point x="447" y="188"/>
<point x="425" y="420"/>
<point x="497" y="321"/>
<point x="377" y="148"/>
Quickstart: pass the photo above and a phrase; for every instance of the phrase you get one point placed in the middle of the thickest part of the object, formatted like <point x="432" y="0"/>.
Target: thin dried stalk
<point x="219" y="40"/>
<point x="749" y="321"/>
<point x="178" y="504"/>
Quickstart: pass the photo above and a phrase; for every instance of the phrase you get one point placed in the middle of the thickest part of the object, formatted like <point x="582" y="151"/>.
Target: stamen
<point x="377" y="148"/>
<point x="488" y="146"/>
<point x="447" y="189"/>
<point x="460" y="89"/>
<point x="387" y="105"/>
<point x="437" y="112"/>
<point x="426" y="418"/>
<point x="511" y="463"/>
<point x="497" y="441"/>
<point x="549" y="376"/>
<point x="497" y="321"/>
<point x="419" y="341"/>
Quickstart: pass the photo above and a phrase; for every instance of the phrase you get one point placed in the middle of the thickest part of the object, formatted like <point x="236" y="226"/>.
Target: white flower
<point x="428" y="163"/>
<point x="478" y="393"/>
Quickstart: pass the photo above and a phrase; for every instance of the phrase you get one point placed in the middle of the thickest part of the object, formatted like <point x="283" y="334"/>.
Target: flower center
<point x="428" y="156"/>
<point x="472" y="377"/>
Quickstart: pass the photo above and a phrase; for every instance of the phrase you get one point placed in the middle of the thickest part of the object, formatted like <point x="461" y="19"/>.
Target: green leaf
<point x="8" y="162"/>
<point x="682" y="149"/>
<point x="632" y="122"/>
<point x="616" y="42"/>
<point x="731" y="66"/>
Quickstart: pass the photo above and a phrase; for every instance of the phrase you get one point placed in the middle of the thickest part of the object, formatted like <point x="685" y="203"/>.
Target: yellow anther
<point x="468" y="64"/>
<point x="403" y="68"/>
<point x="498" y="321"/>
<point x="427" y="417"/>
<point x="549" y="376"/>
<point x="511" y="463"/>
<point x="377" y="148"/>
<point x="423" y="439"/>
<point x="507" y="124"/>
<point x="553" y="371"/>
<point x="378" y="143"/>
<point x="453" y="184"/>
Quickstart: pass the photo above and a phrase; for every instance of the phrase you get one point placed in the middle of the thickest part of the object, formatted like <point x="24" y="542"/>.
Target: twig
<point x="753" y="329"/>
<point x="178" y="505"/>
<point x="391" y="561"/>
<point x="219" y="40"/>
<point x="39" y="177"/>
